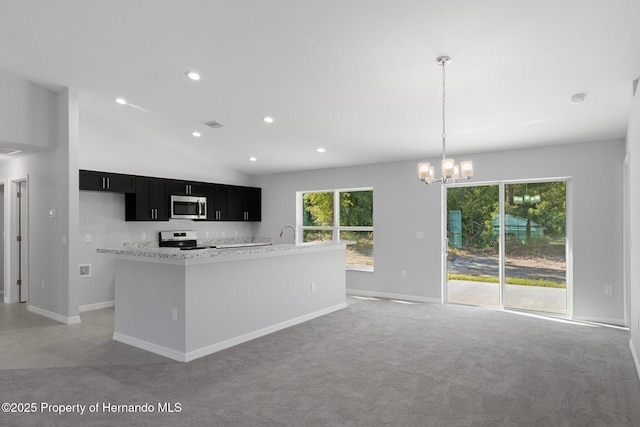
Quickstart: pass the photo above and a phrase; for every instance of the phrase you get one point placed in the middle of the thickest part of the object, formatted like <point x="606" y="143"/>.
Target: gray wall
<point x="633" y="149"/>
<point x="102" y="216"/>
<point x="403" y="206"/>
<point x="27" y="113"/>
<point x="112" y="147"/>
<point x="50" y="251"/>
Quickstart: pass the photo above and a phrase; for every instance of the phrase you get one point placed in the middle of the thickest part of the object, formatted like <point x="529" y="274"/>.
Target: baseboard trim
<point x="605" y="320"/>
<point x="96" y="306"/>
<point x="635" y="357"/>
<point x="375" y="294"/>
<point x="149" y="346"/>
<point x="214" y="348"/>
<point x="55" y="316"/>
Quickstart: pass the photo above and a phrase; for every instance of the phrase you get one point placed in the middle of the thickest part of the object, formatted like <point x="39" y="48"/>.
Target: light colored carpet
<point x="375" y="363"/>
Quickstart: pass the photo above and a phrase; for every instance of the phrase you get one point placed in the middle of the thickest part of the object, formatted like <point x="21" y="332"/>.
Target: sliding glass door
<point x="535" y="246"/>
<point x="473" y="271"/>
<point x="507" y="245"/>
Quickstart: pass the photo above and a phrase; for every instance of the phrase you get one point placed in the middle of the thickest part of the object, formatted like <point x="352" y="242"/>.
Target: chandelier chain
<point x="444" y="133"/>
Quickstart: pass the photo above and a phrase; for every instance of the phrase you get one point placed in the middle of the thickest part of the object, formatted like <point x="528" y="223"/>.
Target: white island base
<point x="191" y="307"/>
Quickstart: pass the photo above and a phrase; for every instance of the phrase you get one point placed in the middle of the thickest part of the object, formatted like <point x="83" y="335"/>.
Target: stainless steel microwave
<point x="188" y="207"/>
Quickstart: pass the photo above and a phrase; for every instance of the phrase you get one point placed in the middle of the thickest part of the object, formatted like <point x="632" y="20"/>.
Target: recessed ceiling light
<point x="196" y="134"/>
<point x="320" y="150"/>
<point x="253" y="159"/>
<point x="193" y="75"/>
<point x="267" y="119"/>
<point x="121" y="101"/>
<point x="578" y="98"/>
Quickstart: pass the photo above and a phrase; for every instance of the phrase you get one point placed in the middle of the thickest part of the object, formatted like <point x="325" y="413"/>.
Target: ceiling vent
<point x="214" y="124"/>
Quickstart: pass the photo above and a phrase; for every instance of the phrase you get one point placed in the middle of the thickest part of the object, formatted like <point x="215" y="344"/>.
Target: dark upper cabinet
<point x="253" y="203"/>
<point x="233" y="203"/>
<point x="216" y="202"/>
<point x="106" y="181"/>
<point x="150" y="201"/>
<point x="185" y="188"/>
<point x="147" y="198"/>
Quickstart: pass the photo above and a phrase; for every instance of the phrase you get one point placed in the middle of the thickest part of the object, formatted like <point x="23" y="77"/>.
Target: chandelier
<point x="451" y="172"/>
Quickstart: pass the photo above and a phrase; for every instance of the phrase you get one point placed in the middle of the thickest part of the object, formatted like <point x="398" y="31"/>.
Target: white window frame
<point x="335" y="228"/>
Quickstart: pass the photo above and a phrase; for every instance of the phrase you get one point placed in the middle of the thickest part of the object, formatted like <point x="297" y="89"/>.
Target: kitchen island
<point x="188" y="304"/>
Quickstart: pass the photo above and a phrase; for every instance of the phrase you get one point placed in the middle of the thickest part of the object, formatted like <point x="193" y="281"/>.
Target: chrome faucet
<point x="294" y="232"/>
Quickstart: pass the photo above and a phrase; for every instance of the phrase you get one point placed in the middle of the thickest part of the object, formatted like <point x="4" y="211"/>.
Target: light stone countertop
<point x="153" y="253"/>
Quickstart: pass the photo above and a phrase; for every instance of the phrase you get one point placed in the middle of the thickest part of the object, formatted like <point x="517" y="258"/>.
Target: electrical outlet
<point x="419" y="235"/>
<point x="174" y="314"/>
<point x="313" y="286"/>
<point x="84" y="270"/>
<point x="87" y="237"/>
<point x="608" y="290"/>
<point x="403" y="274"/>
<point x="206" y="233"/>
<point x="42" y="286"/>
<point x="143" y="236"/>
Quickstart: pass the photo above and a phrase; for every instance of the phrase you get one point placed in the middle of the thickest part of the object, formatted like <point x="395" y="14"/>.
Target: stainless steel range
<point x="184" y="240"/>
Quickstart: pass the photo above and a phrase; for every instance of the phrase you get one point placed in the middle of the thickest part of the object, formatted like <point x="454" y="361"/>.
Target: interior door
<point x="473" y="231"/>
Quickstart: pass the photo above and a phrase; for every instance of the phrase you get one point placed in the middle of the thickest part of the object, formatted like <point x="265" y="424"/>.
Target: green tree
<point x="318" y="209"/>
<point x="549" y="212"/>
<point x="478" y="205"/>
<point x="356" y="208"/>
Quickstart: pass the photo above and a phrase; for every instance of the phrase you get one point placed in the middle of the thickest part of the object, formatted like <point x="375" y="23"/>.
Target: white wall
<point x="633" y="148"/>
<point x="26" y="113"/>
<point x="111" y="147"/>
<point x="50" y="252"/>
<point x="2" y="241"/>
<point x="403" y="206"/>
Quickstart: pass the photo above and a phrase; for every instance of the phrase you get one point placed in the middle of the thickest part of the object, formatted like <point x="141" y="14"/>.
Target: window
<point x="319" y="219"/>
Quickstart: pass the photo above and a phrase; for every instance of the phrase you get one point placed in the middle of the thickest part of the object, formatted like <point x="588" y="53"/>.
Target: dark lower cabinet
<point x="150" y="201"/>
<point x="106" y="181"/>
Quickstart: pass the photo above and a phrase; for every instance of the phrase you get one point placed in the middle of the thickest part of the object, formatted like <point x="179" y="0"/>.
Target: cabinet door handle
<point x="103" y="183"/>
<point x="108" y="183"/>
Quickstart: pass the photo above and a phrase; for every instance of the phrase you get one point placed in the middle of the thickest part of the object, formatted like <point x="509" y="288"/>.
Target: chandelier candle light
<point x="451" y="172"/>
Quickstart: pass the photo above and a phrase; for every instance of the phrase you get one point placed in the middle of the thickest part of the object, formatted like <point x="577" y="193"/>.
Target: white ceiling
<point x="357" y="77"/>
